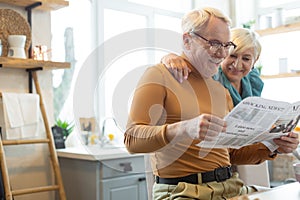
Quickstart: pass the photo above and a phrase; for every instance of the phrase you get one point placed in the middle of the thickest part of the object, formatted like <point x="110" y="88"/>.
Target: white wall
<point x="223" y="5"/>
<point x="229" y="7"/>
<point x="245" y="11"/>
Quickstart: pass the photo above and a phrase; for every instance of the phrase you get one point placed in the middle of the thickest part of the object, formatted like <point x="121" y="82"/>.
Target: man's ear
<point x="187" y="40"/>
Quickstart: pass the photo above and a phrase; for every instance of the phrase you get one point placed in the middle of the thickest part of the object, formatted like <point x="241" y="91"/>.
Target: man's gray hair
<point x="196" y="19"/>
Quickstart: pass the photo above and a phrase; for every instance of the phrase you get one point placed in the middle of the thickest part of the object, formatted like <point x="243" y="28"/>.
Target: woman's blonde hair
<point x="244" y="39"/>
<point x="196" y="19"/>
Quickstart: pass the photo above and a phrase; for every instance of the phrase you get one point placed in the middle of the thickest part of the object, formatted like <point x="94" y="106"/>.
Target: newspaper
<point x="256" y="119"/>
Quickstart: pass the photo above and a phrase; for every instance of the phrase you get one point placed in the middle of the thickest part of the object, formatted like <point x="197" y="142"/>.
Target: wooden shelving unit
<point x="32" y="66"/>
<point x="47" y="5"/>
<point x="280" y="29"/>
<point x="6" y="62"/>
<point x="284" y="75"/>
<point x="277" y="30"/>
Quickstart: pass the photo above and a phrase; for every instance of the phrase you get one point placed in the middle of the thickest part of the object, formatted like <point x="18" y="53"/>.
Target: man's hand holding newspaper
<point x="256" y="119"/>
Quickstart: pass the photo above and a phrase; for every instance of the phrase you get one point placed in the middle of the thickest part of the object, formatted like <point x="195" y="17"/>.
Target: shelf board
<point x="17" y="63"/>
<point x="280" y="29"/>
<point x="47" y="5"/>
<point x="283" y="75"/>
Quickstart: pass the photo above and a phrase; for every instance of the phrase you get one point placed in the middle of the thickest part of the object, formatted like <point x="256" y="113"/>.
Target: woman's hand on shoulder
<point x="177" y="66"/>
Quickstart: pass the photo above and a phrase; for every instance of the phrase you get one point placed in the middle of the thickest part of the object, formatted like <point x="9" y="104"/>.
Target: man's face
<point x="202" y="55"/>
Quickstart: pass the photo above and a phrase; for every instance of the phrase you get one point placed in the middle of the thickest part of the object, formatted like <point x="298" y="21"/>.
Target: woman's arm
<point x="176" y="66"/>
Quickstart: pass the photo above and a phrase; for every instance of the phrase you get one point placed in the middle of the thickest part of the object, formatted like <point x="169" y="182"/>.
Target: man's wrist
<point x="278" y="152"/>
<point x="274" y="153"/>
<point x="270" y="145"/>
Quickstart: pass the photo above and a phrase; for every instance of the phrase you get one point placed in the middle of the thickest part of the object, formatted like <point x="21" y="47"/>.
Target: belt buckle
<point x="222" y="174"/>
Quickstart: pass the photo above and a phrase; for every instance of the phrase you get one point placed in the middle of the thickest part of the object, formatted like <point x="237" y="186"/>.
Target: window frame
<point x="123" y="6"/>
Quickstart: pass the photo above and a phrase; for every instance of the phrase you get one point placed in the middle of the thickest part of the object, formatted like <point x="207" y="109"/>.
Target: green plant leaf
<point x="66" y="126"/>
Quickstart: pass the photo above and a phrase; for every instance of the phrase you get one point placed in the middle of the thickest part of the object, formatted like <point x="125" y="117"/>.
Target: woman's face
<point x="237" y="65"/>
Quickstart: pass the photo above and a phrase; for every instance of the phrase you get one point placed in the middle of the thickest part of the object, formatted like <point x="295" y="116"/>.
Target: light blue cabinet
<point x="109" y="179"/>
<point x="132" y="187"/>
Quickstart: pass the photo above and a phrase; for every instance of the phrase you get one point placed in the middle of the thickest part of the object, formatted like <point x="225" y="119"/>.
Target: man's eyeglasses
<point x="216" y="45"/>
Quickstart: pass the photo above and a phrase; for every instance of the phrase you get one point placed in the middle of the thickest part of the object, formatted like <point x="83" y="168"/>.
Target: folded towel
<point x="21" y="114"/>
<point x="12" y="109"/>
<point x="29" y="108"/>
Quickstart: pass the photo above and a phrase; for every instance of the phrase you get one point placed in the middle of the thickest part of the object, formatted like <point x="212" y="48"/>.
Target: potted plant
<point x="249" y="24"/>
<point x="61" y="130"/>
<point x="66" y="127"/>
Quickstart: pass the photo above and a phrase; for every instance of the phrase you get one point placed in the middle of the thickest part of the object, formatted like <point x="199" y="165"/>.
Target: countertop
<point x="289" y="191"/>
<point x="94" y="153"/>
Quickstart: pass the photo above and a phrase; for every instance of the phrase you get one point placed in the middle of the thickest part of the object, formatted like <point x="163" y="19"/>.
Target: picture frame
<point x="88" y="124"/>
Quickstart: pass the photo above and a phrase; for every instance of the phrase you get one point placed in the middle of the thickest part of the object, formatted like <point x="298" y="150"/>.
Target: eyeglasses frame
<point x="215" y="41"/>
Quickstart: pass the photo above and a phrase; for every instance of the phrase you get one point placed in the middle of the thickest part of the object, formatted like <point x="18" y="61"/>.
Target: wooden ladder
<point x="9" y="193"/>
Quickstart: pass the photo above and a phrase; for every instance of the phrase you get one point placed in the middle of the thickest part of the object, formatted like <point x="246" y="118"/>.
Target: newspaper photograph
<point x="256" y="119"/>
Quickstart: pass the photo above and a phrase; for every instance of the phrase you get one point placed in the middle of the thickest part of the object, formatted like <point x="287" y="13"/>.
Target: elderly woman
<point x="237" y="72"/>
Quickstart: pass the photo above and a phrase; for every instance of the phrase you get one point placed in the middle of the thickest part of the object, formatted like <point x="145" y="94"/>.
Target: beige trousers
<point x="203" y="191"/>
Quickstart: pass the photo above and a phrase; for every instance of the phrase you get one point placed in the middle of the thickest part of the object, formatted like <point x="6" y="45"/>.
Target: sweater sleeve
<point x="146" y="124"/>
<point x="251" y="154"/>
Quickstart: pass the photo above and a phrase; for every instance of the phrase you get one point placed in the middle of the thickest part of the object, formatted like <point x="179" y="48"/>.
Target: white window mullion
<point x="123" y="6"/>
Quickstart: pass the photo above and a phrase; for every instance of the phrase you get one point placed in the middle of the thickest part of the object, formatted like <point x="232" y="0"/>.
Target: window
<point x="177" y="5"/>
<point x="71" y="32"/>
<point x="122" y="73"/>
<point x="96" y="25"/>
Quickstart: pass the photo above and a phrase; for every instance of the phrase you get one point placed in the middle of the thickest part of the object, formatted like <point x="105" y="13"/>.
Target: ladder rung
<point x="9" y="193"/>
<point x="34" y="190"/>
<point x="17" y="142"/>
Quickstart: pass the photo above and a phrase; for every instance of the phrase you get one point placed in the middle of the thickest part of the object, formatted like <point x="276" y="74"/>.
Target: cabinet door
<point x="131" y="187"/>
<point x="80" y="178"/>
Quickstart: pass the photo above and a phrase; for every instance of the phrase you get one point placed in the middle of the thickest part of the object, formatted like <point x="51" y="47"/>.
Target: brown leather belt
<point x="219" y="175"/>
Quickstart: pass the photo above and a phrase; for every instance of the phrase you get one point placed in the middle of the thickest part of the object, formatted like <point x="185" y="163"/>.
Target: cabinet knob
<point x="126" y="166"/>
<point x="142" y="179"/>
